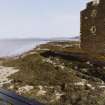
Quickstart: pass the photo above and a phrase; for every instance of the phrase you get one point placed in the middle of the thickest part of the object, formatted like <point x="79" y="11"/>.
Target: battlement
<point x="96" y="2"/>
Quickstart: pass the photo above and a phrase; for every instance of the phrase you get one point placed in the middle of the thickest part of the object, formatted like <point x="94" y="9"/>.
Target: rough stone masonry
<point x="93" y="27"/>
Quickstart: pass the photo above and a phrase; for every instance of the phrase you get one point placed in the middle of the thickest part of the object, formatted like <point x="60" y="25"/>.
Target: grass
<point x="36" y="70"/>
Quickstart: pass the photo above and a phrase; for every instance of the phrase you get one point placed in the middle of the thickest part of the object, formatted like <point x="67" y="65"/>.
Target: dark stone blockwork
<point x="93" y="27"/>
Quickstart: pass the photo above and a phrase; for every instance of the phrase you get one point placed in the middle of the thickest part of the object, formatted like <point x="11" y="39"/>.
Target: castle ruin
<point x="93" y="27"/>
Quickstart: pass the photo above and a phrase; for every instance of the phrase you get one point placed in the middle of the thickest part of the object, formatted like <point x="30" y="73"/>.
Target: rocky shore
<point x="59" y="73"/>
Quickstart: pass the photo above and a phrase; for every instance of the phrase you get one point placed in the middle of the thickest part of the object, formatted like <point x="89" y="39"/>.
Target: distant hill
<point x="43" y="39"/>
<point x="76" y="38"/>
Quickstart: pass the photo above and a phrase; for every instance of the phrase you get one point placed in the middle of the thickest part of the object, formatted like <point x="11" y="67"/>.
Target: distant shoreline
<point x="15" y="47"/>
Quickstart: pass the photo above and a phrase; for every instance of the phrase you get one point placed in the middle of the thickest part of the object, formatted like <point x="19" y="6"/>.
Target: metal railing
<point x="11" y="98"/>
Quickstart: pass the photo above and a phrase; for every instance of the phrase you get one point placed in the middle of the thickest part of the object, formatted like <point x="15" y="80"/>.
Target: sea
<point x="15" y="47"/>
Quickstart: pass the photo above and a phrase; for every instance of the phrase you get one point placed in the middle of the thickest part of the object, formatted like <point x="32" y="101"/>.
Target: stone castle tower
<point x="93" y="27"/>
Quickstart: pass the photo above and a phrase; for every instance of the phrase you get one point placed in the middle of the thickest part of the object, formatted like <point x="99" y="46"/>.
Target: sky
<point x="40" y="18"/>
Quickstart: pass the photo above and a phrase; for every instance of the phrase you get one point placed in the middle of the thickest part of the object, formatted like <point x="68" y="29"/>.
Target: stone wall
<point x="93" y="28"/>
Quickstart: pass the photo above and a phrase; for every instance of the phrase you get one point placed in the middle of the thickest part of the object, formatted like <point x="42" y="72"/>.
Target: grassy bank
<point x="60" y="73"/>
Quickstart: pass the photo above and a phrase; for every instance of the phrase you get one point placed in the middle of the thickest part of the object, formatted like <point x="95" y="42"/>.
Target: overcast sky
<point x="40" y="18"/>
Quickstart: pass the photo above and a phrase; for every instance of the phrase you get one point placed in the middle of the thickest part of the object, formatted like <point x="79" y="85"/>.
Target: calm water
<point x="17" y="46"/>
